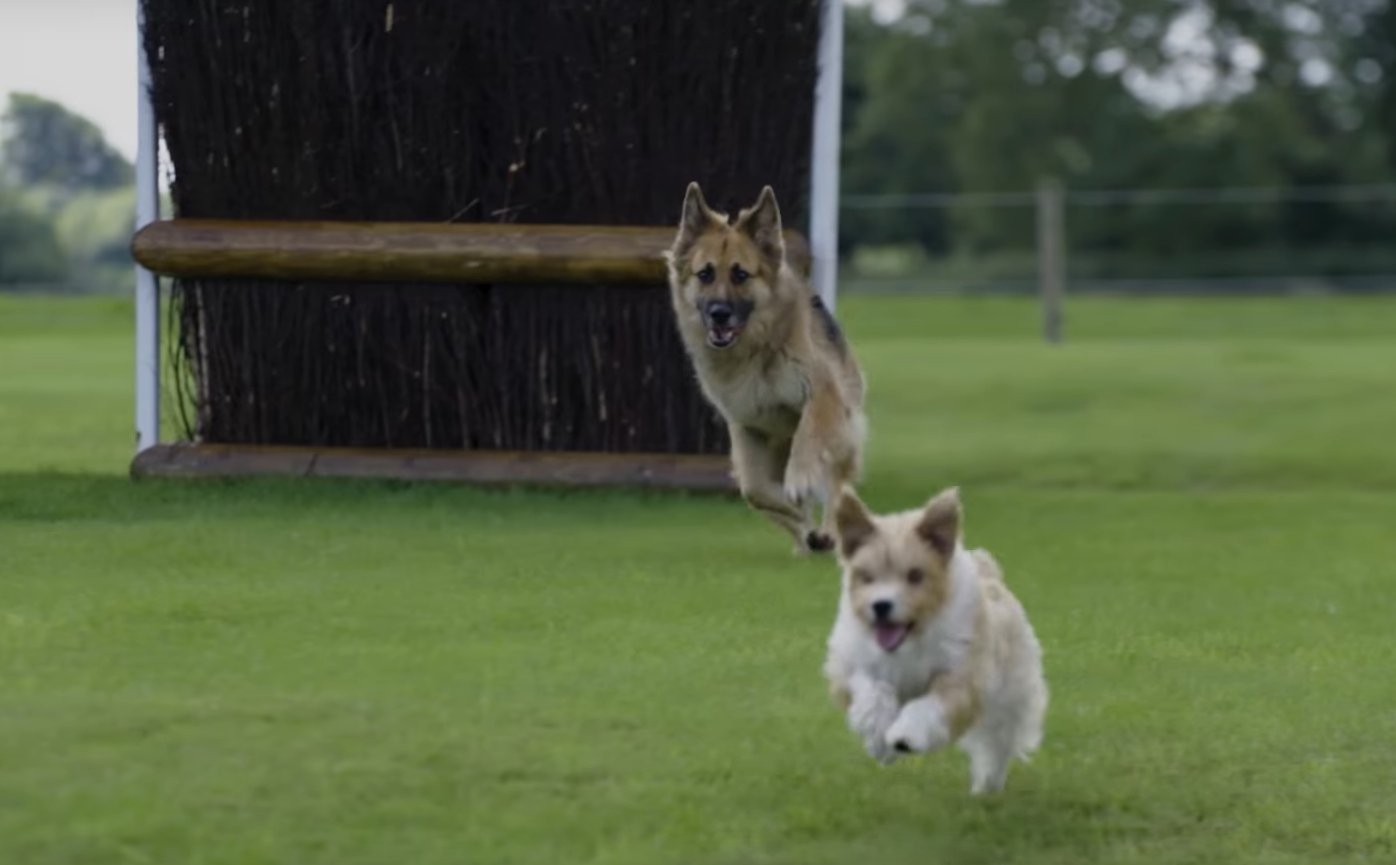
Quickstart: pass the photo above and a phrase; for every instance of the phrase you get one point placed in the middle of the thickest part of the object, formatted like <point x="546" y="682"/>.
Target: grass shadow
<point x="45" y="496"/>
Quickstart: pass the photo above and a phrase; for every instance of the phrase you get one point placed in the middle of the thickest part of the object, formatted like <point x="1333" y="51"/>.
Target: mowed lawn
<point x="1193" y="498"/>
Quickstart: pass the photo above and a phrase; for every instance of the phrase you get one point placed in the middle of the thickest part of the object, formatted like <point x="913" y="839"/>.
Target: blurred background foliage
<point x="1214" y="144"/>
<point x="67" y="203"/>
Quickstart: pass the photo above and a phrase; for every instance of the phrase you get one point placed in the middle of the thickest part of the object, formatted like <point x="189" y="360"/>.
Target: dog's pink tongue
<point x="889" y="637"/>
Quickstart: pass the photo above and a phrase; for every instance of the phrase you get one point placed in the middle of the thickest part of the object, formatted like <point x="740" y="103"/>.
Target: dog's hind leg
<point x="824" y="455"/>
<point x="840" y="475"/>
<point x="990" y="752"/>
<point x="758" y="467"/>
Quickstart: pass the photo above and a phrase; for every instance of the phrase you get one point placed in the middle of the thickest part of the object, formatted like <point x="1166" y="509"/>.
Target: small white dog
<point x="929" y="646"/>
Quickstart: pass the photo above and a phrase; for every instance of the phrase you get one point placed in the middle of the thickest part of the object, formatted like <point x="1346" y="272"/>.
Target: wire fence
<point x="1236" y="240"/>
<point x="1382" y="192"/>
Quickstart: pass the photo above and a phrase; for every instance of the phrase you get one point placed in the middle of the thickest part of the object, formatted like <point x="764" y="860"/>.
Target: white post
<point x="824" y="161"/>
<point x="147" y="284"/>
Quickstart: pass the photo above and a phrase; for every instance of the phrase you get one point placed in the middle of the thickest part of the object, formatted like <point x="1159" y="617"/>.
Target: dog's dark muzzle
<point x="725" y="320"/>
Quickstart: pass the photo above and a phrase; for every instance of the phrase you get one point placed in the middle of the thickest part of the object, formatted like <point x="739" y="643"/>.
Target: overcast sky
<point x="81" y="53"/>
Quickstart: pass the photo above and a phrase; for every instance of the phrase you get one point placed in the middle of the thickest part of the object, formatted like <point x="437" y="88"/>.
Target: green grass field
<point x="1194" y="499"/>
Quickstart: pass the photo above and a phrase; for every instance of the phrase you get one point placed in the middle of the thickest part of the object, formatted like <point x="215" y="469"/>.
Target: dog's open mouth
<point x="890" y="635"/>
<point x="722" y="335"/>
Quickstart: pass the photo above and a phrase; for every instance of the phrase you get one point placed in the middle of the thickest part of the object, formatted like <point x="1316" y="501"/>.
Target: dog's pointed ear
<point x="761" y="222"/>
<point x="853" y="523"/>
<point x="939" y="525"/>
<point x="696" y="218"/>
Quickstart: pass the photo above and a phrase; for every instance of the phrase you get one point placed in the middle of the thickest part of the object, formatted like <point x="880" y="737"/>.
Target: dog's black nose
<point x="719" y="311"/>
<point x="882" y="609"/>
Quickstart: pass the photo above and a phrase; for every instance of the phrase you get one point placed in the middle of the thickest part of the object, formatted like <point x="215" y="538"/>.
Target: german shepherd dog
<point x="772" y="360"/>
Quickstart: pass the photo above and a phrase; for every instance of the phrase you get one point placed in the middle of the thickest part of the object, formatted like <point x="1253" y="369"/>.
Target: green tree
<point x="896" y="132"/>
<point x="29" y="248"/>
<point x="1370" y="66"/>
<point x="45" y="144"/>
<point x="972" y="96"/>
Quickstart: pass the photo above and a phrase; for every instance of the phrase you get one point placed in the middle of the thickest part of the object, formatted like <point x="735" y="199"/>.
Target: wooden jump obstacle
<point x="430" y="246"/>
<point x="422" y="252"/>
<point x="413" y="251"/>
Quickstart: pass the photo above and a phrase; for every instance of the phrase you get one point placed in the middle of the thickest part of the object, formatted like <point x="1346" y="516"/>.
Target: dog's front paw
<point x="871" y="711"/>
<point x="918" y="729"/>
<point x="804" y="479"/>
<point x="818" y="542"/>
<point x="880" y="751"/>
<point x="811" y="541"/>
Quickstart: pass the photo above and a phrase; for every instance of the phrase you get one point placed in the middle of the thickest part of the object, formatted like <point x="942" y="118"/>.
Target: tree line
<point x="66" y="200"/>
<point x="971" y="96"/>
<point x="968" y="96"/>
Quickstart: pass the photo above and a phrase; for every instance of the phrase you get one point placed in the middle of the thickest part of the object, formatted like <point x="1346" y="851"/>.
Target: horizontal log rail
<point x="412" y="251"/>
<point x="503" y="468"/>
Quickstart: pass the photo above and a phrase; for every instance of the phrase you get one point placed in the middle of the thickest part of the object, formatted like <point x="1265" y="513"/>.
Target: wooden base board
<point x="494" y="468"/>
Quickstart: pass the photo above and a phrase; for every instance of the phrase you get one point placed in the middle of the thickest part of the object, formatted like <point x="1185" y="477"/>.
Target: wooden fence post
<point x="1051" y="255"/>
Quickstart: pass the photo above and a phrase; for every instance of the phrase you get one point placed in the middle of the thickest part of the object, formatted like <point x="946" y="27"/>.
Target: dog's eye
<point x="915" y="576"/>
<point x="739" y="276"/>
<point x="863" y="577"/>
<point x="707" y="274"/>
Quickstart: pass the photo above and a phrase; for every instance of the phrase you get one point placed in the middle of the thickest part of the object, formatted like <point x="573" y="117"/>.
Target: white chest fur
<point x="768" y="398"/>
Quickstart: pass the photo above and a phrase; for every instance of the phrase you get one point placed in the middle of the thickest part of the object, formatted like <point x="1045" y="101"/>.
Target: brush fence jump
<point x="378" y="252"/>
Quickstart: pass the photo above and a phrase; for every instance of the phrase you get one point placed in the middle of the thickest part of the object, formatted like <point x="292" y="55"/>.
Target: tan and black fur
<point x="771" y="358"/>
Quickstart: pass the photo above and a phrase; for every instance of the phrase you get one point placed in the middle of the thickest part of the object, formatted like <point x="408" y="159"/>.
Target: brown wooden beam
<point x="412" y="251"/>
<point x="493" y="468"/>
